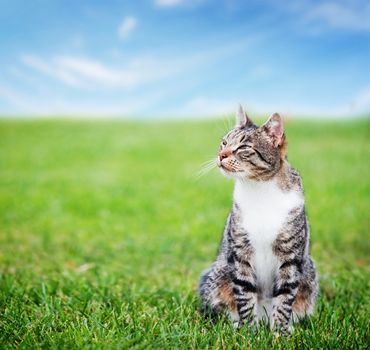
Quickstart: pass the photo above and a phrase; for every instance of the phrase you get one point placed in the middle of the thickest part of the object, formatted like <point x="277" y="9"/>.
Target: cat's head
<point x="252" y="152"/>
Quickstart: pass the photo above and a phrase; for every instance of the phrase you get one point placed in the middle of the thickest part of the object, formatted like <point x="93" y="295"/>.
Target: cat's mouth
<point x="228" y="169"/>
<point x="223" y="167"/>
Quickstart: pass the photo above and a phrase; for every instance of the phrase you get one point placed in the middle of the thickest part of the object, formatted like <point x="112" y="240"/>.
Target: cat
<point x="263" y="271"/>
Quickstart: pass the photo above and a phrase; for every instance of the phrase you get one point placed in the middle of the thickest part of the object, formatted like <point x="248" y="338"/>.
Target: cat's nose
<point x="226" y="152"/>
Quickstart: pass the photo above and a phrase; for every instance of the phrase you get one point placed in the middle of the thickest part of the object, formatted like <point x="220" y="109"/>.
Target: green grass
<point x="104" y="232"/>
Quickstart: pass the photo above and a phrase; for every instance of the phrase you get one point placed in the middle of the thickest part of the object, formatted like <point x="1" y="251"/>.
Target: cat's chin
<point x="232" y="174"/>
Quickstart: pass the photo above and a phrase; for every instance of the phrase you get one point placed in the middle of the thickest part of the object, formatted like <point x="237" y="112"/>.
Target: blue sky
<point x="173" y="58"/>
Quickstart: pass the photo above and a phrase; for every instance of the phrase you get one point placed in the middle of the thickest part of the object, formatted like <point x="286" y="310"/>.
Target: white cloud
<point x="343" y="15"/>
<point x="168" y="3"/>
<point x="318" y="16"/>
<point x="202" y="106"/>
<point x="11" y="97"/>
<point x="89" y="73"/>
<point x="50" y="69"/>
<point x="129" y="93"/>
<point x="47" y="103"/>
<point x="128" y="24"/>
<point x="361" y="101"/>
<point x="206" y="106"/>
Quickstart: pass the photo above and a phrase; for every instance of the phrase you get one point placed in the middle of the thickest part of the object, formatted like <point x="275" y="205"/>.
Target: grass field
<point x="104" y="231"/>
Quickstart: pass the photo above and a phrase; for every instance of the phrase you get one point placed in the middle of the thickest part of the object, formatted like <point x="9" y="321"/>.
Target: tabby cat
<point x="263" y="270"/>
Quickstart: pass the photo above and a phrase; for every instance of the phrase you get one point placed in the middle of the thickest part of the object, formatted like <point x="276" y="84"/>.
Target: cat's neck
<point x="252" y="188"/>
<point x="282" y="180"/>
<point x="278" y="192"/>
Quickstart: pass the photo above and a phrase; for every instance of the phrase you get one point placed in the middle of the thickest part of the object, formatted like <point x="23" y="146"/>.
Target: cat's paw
<point x="251" y="326"/>
<point x="282" y="331"/>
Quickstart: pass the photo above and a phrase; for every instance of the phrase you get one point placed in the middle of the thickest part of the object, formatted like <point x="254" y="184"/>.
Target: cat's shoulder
<point x="289" y="178"/>
<point x="295" y="178"/>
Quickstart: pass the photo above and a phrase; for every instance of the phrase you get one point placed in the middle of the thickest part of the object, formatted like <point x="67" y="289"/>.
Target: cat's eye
<point x="243" y="147"/>
<point x="224" y="142"/>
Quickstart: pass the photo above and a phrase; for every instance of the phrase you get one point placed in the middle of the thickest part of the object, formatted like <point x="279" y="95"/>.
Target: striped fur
<point x="263" y="270"/>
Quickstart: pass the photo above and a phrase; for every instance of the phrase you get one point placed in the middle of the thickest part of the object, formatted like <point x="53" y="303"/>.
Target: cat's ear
<point x="274" y="128"/>
<point x="242" y="120"/>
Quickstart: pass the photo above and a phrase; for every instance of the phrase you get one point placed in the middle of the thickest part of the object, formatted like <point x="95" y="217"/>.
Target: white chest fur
<point x="264" y="209"/>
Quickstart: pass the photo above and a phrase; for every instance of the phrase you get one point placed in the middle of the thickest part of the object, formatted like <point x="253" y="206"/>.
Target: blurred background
<point x="184" y="58"/>
<point x="108" y="109"/>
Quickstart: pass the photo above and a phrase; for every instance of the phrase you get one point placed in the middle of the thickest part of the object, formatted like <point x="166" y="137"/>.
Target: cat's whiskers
<point x="206" y="167"/>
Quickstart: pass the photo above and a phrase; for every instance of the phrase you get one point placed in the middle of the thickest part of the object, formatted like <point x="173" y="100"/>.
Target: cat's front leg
<point x="284" y="293"/>
<point x="245" y="294"/>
